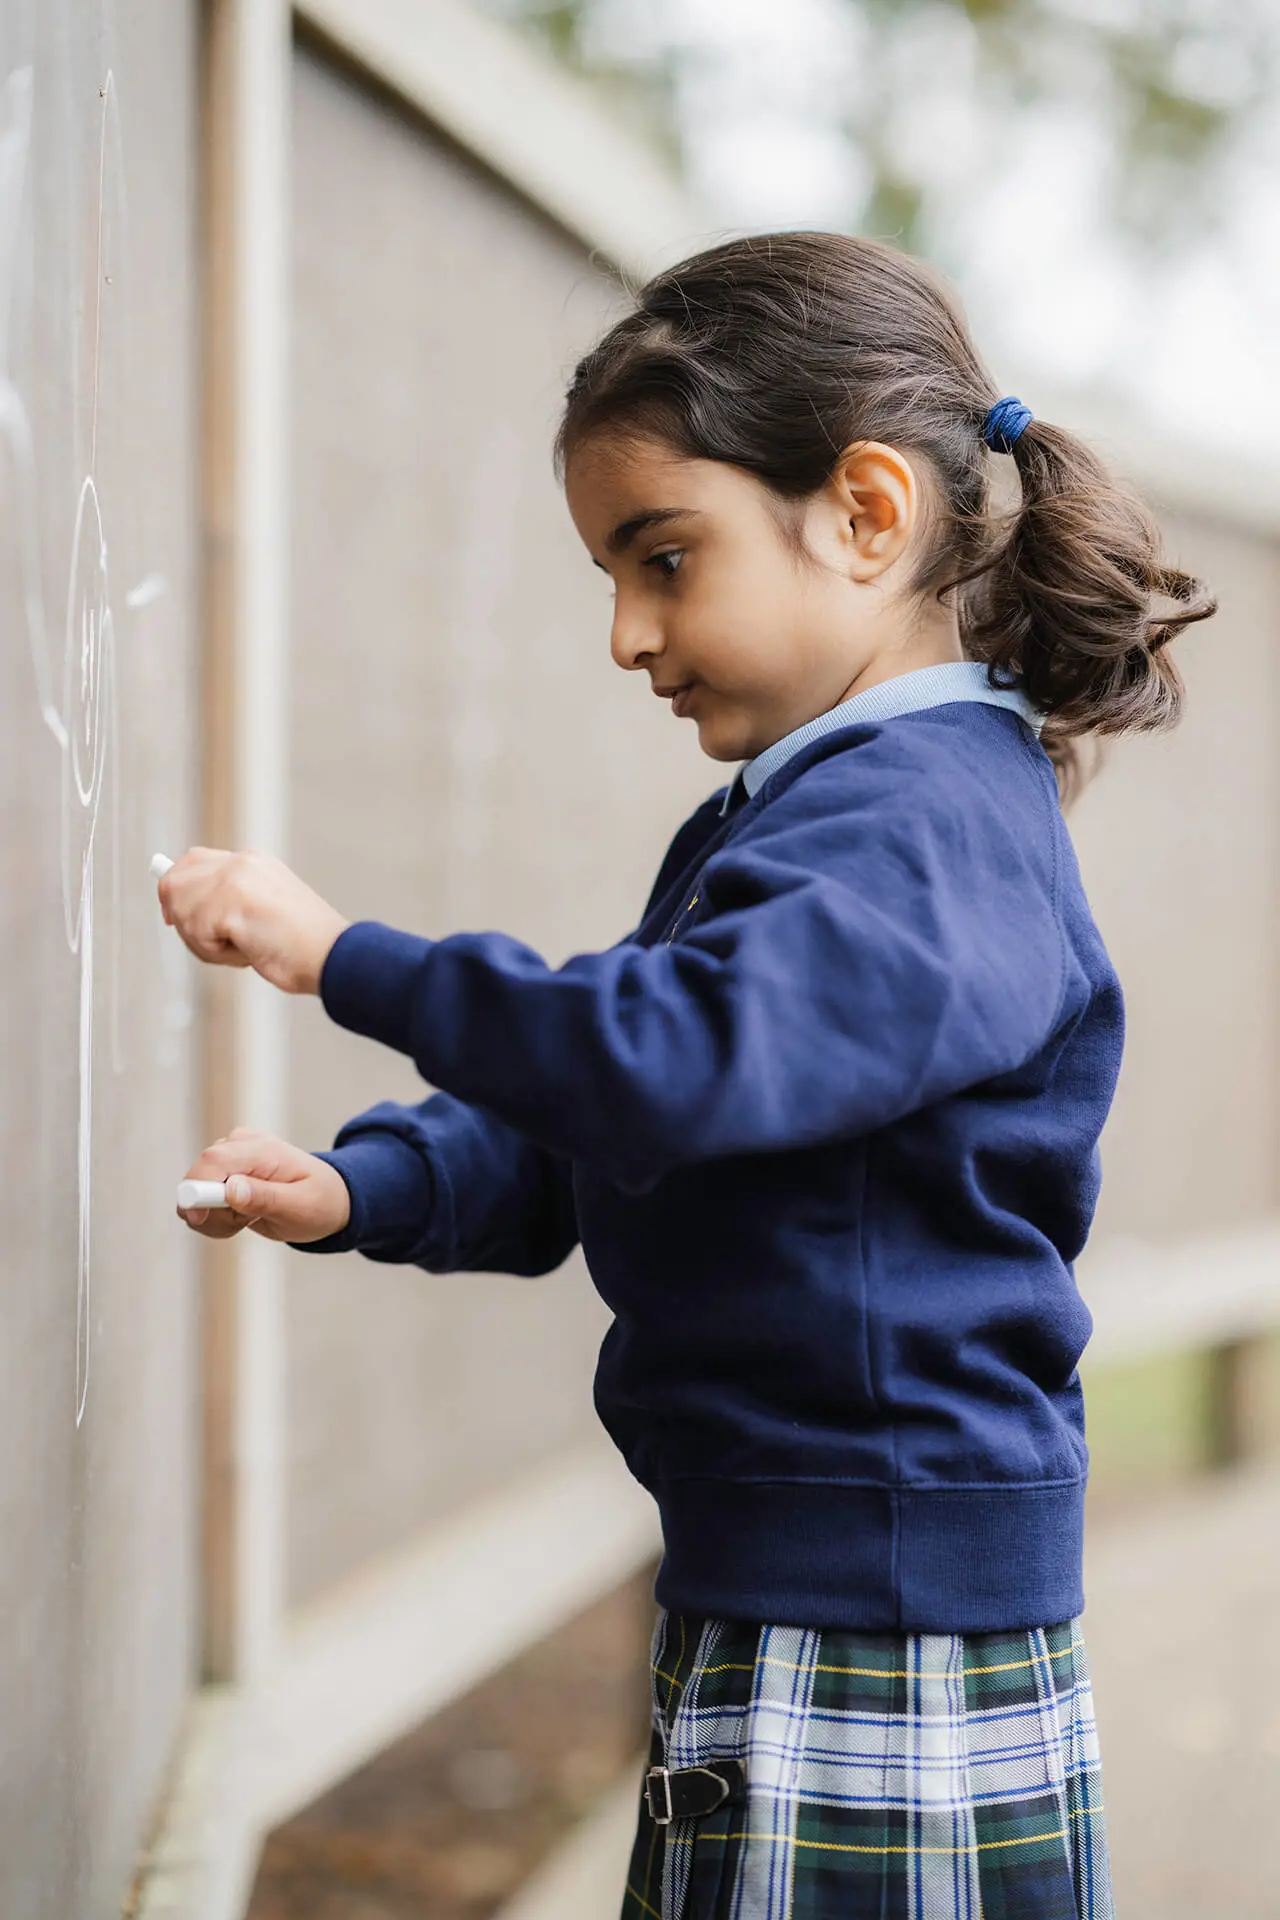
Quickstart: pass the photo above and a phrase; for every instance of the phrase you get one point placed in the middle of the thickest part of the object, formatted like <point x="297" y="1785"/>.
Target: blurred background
<point x="324" y="1597"/>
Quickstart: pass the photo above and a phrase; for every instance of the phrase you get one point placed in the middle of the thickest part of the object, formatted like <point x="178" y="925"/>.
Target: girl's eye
<point x="666" y="562"/>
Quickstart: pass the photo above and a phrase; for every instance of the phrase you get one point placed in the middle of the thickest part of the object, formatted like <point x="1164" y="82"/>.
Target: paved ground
<point x="1184" y="1635"/>
<point x="1184" y="1638"/>
<point x="447" y="1823"/>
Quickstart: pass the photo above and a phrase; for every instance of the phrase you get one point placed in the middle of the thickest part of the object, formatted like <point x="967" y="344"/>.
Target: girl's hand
<point x="249" y="910"/>
<point x="278" y="1190"/>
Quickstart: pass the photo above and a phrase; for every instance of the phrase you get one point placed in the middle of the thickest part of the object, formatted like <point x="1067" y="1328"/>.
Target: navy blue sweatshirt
<point x="826" y="1127"/>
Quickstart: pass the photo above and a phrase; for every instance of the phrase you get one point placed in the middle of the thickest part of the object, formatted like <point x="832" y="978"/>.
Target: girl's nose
<point x="635" y="637"/>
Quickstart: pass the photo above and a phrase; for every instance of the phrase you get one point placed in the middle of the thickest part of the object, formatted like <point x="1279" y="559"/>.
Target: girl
<point x="826" y="1122"/>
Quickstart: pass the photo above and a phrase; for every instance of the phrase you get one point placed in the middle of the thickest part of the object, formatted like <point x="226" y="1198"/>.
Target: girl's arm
<point x="444" y="1186"/>
<point x="842" y="967"/>
<point x="439" y="1185"/>
<point x="872" y="945"/>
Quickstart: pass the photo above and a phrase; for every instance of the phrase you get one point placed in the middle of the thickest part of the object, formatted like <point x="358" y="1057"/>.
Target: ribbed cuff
<point x="367" y="982"/>
<point x="391" y="1189"/>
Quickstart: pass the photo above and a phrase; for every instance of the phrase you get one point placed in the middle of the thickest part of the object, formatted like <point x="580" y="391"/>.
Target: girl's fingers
<point x="213" y="1223"/>
<point x="250" y="910"/>
<point x="259" y="1154"/>
<point x="213" y="951"/>
<point x="305" y="1209"/>
<point x="248" y="1202"/>
<point x="278" y="1203"/>
<point x="242" y="1152"/>
<point x="192" y="902"/>
<point x="272" y="1186"/>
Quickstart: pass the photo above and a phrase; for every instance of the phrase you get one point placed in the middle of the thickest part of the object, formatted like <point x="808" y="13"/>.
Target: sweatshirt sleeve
<point x="871" y="946"/>
<point x="446" y="1186"/>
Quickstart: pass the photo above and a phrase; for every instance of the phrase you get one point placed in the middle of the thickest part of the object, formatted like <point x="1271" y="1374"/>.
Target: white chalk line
<point x="84" y="1151"/>
<point x="85" y="723"/>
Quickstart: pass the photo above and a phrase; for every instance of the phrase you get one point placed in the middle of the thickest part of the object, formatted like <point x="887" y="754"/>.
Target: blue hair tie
<point x="1006" y="421"/>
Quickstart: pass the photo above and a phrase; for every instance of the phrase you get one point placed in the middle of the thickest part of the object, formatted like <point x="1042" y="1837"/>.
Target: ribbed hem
<point x="907" y="1559"/>
<point x="367" y="982"/>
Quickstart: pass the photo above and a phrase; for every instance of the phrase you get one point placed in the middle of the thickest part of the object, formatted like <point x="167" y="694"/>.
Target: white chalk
<point x="160" y="865"/>
<point x="202" y="1193"/>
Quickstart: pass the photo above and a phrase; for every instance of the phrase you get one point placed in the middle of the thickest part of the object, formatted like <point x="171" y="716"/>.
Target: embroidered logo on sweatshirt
<point x="682" y="915"/>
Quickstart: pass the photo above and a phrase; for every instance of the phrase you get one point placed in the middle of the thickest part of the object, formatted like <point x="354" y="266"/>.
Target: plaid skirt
<point x="900" y="1776"/>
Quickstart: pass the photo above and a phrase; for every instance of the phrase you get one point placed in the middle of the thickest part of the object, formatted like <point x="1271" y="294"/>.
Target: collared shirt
<point x="936" y="686"/>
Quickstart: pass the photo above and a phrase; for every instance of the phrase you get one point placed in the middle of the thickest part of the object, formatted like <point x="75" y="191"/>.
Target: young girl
<point x="826" y="1122"/>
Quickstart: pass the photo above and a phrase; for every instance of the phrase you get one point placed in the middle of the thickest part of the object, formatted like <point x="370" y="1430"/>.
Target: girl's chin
<point x="717" y="740"/>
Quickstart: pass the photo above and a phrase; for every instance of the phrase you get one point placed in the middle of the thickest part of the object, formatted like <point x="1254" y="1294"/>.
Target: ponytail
<point x="775" y="352"/>
<point x="1078" y="604"/>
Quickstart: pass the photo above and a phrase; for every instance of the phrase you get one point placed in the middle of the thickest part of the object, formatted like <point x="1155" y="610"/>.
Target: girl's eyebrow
<point x="626" y="530"/>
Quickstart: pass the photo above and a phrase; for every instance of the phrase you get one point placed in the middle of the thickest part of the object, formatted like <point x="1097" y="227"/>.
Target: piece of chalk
<point x="202" y="1193"/>
<point x="160" y="865"/>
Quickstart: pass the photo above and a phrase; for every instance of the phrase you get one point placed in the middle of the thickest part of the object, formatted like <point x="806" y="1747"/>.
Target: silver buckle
<point x="662" y="1774"/>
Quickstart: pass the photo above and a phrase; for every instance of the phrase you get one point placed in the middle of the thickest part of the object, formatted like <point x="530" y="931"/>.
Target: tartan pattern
<point x="891" y="1776"/>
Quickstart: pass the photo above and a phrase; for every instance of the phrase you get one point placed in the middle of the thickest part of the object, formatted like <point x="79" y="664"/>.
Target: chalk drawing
<point x="82" y="713"/>
<point x="84" y="1151"/>
<point x="152" y="588"/>
<point x="88" y="707"/>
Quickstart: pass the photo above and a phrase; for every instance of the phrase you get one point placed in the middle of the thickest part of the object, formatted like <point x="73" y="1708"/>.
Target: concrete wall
<point x="465" y="755"/>
<point x="98" y="768"/>
<point x="1179" y="840"/>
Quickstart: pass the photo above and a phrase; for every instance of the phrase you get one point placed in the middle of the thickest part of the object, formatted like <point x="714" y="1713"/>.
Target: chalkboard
<point x="98" y="1401"/>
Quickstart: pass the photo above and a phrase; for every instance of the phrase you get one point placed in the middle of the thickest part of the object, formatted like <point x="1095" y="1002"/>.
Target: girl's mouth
<point x="680" y="701"/>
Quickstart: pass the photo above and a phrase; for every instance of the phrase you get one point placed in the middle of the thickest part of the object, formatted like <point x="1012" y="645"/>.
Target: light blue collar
<point x="939" y="686"/>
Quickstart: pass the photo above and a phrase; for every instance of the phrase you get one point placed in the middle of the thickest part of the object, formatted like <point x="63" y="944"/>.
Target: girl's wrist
<point x="319" y="948"/>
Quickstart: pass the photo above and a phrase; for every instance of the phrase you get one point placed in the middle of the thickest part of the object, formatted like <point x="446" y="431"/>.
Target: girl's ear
<point x="874" y="489"/>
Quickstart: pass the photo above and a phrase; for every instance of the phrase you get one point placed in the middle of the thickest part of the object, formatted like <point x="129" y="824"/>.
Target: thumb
<point x="275" y="1200"/>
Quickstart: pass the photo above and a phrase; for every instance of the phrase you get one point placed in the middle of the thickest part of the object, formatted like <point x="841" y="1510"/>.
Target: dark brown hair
<point x="778" y="352"/>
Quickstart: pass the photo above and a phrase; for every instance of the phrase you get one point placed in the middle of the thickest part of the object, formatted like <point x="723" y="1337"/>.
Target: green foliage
<point x="1149" y="1423"/>
<point x="896" y="204"/>
<point x="559" y="27"/>
<point x="1174" y="86"/>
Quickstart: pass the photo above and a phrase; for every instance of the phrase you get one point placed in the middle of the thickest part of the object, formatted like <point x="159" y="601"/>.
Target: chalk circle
<point x="87" y="646"/>
<point x="86" y="712"/>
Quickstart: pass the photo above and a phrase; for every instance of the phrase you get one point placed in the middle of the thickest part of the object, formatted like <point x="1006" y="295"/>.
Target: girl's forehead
<point x="610" y="462"/>
<point x="611" y="479"/>
<point x="624" y="488"/>
<point x="610" y="482"/>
